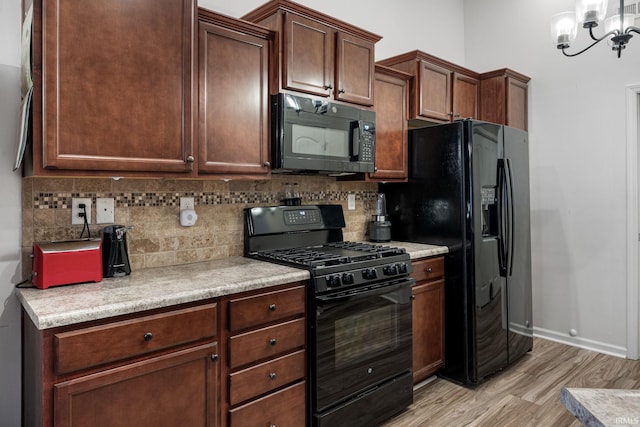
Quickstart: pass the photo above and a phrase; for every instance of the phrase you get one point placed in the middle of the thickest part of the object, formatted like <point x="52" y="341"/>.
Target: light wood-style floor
<point x="525" y="394"/>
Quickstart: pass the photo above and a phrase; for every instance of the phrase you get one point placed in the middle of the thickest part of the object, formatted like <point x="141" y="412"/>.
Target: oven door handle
<point x="356" y="295"/>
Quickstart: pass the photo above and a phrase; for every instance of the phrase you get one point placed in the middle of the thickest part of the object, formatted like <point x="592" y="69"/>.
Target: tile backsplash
<point x="151" y="207"/>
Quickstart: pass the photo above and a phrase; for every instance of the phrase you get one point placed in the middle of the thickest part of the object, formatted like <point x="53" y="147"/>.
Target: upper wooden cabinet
<point x="233" y="125"/>
<point x="113" y="86"/>
<point x="441" y="91"/>
<point x="504" y="98"/>
<point x="319" y="54"/>
<point x="392" y="113"/>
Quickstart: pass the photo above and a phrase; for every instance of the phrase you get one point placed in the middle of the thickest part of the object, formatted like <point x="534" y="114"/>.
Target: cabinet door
<point x="391" y="128"/>
<point x="435" y="92"/>
<point x="465" y="97"/>
<point x="517" y="112"/>
<point x="428" y="329"/>
<point x="354" y="70"/>
<point x="179" y="388"/>
<point x="309" y="50"/>
<point x="117" y="83"/>
<point x="234" y="102"/>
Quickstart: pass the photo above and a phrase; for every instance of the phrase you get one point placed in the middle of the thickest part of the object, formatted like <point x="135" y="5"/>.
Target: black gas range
<point x="358" y="312"/>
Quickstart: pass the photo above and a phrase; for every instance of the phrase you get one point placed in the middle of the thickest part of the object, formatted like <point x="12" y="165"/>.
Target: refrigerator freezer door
<point x="516" y="151"/>
<point x="487" y="286"/>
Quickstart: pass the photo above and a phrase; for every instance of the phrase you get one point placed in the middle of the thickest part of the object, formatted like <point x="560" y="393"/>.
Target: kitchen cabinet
<point x="428" y="317"/>
<point x="233" y="122"/>
<point x="160" y="368"/>
<point x="392" y="113"/>
<point x="504" y="98"/>
<point x="319" y="55"/>
<point x="441" y="91"/>
<point x="113" y="87"/>
<point x="265" y="365"/>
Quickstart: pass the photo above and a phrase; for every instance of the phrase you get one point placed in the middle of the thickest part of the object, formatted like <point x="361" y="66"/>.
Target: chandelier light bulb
<point x="590" y="12"/>
<point x="563" y="29"/>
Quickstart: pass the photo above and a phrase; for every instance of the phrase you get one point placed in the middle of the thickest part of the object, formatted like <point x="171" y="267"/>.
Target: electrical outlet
<point x="76" y="211"/>
<point x="186" y="203"/>
<point x="105" y="211"/>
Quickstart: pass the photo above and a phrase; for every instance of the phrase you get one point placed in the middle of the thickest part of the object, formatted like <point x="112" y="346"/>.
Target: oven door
<point x="362" y="339"/>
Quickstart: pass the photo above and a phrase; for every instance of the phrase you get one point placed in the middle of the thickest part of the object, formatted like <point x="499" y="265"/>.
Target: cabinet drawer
<point x="428" y="269"/>
<point x="267" y="376"/>
<point x="256" y="310"/>
<point x="96" y="345"/>
<point x="285" y="408"/>
<point x="266" y="342"/>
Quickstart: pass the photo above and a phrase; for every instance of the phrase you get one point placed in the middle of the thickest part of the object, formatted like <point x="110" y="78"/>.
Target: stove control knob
<point x="334" y="281"/>
<point x="347" y="278"/>
<point x="390" y="270"/>
<point x="369" y="273"/>
<point x="402" y="268"/>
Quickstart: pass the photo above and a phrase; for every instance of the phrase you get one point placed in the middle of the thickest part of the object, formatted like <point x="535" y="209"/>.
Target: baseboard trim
<point x="585" y="343"/>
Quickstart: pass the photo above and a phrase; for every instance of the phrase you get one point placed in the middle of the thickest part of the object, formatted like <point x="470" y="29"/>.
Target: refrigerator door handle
<point x="502" y="218"/>
<point x="511" y="217"/>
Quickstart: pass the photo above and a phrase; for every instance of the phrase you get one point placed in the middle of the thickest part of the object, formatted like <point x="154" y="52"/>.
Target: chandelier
<point x="618" y="27"/>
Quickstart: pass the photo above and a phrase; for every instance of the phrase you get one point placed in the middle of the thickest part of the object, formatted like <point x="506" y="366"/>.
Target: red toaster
<point x="66" y="262"/>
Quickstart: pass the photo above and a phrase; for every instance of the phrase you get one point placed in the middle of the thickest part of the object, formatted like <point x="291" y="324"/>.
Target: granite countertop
<point x="163" y="287"/>
<point x="598" y="407"/>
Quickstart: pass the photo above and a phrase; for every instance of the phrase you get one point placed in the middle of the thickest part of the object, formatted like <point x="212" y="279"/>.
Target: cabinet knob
<point x="328" y="87"/>
<point x="272" y="425"/>
<point x="214" y="357"/>
<point x="273" y="341"/>
<point x="272" y="376"/>
<point x="272" y="307"/>
<point x="429" y="270"/>
<point x="147" y="336"/>
<point x="412" y="297"/>
<point x="190" y="159"/>
<point x="266" y="164"/>
<point x="341" y="91"/>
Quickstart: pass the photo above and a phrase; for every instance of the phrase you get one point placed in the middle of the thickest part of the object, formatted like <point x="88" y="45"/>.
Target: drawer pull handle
<point x="272" y="307"/>
<point x="272" y="376"/>
<point x="147" y="336"/>
<point x="429" y="270"/>
<point x="272" y="341"/>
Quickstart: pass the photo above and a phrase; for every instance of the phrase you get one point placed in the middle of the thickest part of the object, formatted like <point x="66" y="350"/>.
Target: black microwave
<point x="317" y="136"/>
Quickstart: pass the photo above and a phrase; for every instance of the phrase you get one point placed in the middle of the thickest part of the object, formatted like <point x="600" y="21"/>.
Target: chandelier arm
<point x="630" y="29"/>
<point x="612" y="32"/>
<point x="591" y="34"/>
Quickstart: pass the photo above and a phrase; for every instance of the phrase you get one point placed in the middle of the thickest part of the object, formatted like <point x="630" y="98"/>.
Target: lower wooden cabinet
<point x="428" y="318"/>
<point x="149" y="369"/>
<point x="265" y="367"/>
<point x="285" y="408"/>
<point x="179" y="388"/>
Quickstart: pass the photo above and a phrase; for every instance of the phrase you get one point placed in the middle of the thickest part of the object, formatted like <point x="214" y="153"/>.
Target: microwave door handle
<point x="354" y="144"/>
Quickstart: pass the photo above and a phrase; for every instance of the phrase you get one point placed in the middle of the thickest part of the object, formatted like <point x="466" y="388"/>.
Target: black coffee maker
<point x="115" y="257"/>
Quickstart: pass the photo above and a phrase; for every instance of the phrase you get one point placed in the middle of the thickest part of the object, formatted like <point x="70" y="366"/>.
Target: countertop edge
<point x="38" y="310"/>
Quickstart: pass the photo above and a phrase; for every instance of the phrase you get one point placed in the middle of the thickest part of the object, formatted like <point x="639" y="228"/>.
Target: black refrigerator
<point x="468" y="189"/>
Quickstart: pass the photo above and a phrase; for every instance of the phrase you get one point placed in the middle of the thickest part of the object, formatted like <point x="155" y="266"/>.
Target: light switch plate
<point x="105" y="211"/>
<point x="351" y="202"/>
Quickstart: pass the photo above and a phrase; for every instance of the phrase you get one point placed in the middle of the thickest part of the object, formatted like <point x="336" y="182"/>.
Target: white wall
<point x="10" y="215"/>
<point x="578" y="165"/>
<point x="404" y="25"/>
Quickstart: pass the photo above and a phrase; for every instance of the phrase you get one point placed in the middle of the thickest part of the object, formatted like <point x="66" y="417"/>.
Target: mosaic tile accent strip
<point x="150" y="199"/>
